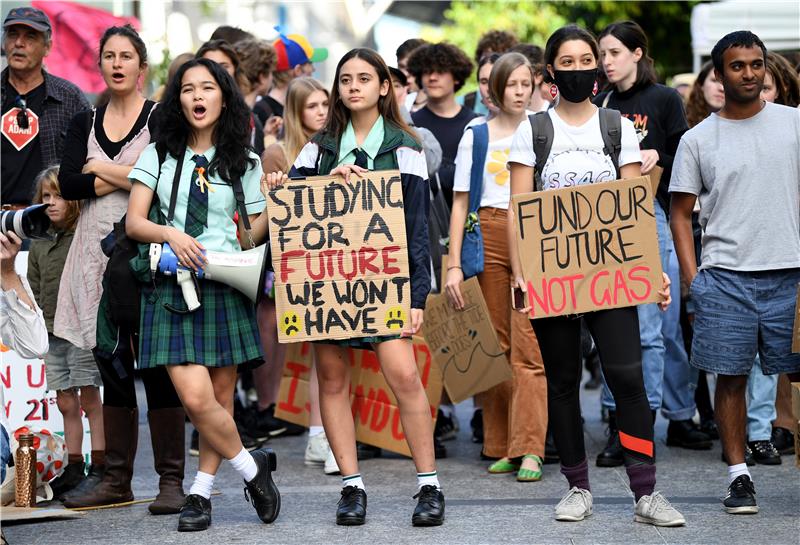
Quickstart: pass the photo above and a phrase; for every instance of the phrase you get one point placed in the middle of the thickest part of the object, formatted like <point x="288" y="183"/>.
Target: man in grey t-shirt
<point x="743" y="164"/>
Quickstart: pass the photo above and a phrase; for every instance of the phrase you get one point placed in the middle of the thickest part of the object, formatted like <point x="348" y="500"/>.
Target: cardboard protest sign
<point x="464" y="343"/>
<point x="340" y="257"/>
<point x="796" y="327"/>
<point x="589" y="247"/>
<point x="375" y="411"/>
<point x="655" y="178"/>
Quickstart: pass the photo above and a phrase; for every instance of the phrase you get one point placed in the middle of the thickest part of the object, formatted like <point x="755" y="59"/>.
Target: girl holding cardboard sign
<point x="365" y="132"/>
<point x="578" y="153"/>
<point x="514" y="412"/>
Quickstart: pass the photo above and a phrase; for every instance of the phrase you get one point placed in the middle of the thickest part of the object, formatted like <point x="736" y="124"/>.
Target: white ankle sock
<point x="315" y="430"/>
<point x="203" y="482"/>
<point x="245" y="465"/>
<point x="353" y="480"/>
<point x="428" y="478"/>
<point x="737" y="470"/>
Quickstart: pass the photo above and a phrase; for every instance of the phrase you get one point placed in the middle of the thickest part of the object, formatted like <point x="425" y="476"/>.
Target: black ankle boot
<point x="686" y="434"/>
<point x="352" y="508"/>
<point x="70" y="478"/>
<point x="612" y="455"/>
<point x="430" y="507"/>
<point x="195" y="514"/>
<point x="261" y="491"/>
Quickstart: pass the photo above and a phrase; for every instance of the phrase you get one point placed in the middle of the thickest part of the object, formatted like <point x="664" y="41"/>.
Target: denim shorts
<point x="67" y="366"/>
<point x="741" y="314"/>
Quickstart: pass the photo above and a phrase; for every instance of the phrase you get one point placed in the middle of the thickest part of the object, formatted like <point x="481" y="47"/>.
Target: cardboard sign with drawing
<point x="340" y="257"/>
<point x="589" y="248"/>
<point x="464" y="343"/>
<point x="375" y="411"/>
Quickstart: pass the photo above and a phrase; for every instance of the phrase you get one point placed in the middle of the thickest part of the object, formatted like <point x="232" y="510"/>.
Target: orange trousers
<point x="515" y="411"/>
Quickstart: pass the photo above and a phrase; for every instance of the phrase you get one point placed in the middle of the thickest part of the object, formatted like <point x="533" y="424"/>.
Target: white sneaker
<point x="317" y="450"/>
<point x="331" y="467"/>
<point x="575" y="506"/>
<point x="657" y="510"/>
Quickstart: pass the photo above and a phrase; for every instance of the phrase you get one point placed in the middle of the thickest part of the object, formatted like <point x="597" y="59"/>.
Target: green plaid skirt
<point x="222" y="332"/>
<point x="360" y="343"/>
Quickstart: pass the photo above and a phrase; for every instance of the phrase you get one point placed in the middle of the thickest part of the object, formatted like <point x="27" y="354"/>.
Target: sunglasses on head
<point x="22" y="114"/>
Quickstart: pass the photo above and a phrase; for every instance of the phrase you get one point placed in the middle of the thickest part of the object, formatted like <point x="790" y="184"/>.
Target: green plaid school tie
<point x="197" y="209"/>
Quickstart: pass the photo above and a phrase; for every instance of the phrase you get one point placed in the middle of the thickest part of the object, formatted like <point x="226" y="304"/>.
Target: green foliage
<point x="666" y="25"/>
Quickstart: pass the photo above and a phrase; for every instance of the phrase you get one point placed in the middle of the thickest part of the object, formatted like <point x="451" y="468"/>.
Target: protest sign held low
<point x="374" y="406"/>
<point x="340" y="257"/>
<point x="464" y="343"/>
<point x="588" y="248"/>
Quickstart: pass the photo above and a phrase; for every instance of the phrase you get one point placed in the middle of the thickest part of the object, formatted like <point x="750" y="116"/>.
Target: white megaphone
<point x="243" y="271"/>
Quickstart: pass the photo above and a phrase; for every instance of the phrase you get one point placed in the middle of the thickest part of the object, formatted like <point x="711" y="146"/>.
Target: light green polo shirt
<point x="371" y="145"/>
<point x="220" y="234"/>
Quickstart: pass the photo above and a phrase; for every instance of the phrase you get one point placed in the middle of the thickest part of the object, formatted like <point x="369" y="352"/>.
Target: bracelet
<point x="453" y="267"/>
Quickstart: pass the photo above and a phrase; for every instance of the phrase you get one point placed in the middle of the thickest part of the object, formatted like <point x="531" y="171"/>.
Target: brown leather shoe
<point x="168" y="436"/>
<point x="122" y="436"/>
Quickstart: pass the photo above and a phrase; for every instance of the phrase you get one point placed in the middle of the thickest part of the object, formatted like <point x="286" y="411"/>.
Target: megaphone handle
<point x="189" y="289"/>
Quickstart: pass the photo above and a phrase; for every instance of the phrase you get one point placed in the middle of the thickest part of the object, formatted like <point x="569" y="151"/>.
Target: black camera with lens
<point x="28" y="223"/>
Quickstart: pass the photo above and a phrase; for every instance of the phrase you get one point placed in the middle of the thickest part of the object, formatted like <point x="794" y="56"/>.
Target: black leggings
<point x="119" y="389"/>
<point x="616" y="334"/>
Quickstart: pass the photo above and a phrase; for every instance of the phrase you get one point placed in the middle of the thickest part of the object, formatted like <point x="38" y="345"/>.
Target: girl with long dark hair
<point x="101" y="147"/>
<point x="204" y="137"/>
<point x="659" y="119"/>
<point x="577" y="153"/>
<point x="364" y="131"/>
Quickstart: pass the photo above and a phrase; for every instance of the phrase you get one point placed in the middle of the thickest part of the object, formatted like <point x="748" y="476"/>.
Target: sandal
<point x="503" y="465"/>
<point x="525" y="475"/>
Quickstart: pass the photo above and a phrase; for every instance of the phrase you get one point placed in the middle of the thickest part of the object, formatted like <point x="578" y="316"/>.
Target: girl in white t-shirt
<point x="514" y="412"/>
<point x="577" y="158"/>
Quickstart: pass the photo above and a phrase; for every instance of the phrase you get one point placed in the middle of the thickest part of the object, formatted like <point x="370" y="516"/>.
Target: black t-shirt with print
<point x="21" y="166"/>
<point x="659" y="117"/>
<point x="448" y="131"/>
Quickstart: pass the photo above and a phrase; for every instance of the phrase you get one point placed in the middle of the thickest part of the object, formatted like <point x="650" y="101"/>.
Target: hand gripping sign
<point x="588" y="248"/>
<point x="340" y="257"/>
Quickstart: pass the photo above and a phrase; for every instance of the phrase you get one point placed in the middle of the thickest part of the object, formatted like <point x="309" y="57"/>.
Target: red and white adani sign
<point x="18" y="136"/>
<point x="588" y="248"/>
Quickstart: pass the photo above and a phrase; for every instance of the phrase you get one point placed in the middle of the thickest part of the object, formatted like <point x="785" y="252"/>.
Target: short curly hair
<point x="495" y="41"/>
<point x="442" y="57"/>
<point x="256" y="58"/>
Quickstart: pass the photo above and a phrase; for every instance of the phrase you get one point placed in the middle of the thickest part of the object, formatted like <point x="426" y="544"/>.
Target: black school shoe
<point x="195" y="514"/>
<point x="352" y="507"/>
<point x="612" y="455"/>
<point x="741" y="497"/>
<point x="783" y="440"/>
<point x="430" y="507"/>
<point x="764" y="452"/>
<point x="261" y="491"/>
<point x="686" y="434"/>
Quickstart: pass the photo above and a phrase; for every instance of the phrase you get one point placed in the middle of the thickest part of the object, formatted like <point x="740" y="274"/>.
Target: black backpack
<point x="543" y="133"/>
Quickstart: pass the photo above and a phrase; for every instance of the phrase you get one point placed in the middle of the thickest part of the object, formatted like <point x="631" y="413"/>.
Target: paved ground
<point x="481" y="508"/>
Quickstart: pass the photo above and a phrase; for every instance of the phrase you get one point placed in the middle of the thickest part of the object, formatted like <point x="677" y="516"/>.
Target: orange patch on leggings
<point x="642" y="446"/>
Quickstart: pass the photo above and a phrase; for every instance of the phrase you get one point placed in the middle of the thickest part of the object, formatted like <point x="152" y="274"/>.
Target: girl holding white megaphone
<point x="205" y="132"/>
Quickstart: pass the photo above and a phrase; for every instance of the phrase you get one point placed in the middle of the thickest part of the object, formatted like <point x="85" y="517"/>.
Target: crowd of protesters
<point x="191" y="167"/>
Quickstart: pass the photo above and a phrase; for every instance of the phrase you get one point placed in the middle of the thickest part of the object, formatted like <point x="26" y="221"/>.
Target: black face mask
<point x="575" y="85"/>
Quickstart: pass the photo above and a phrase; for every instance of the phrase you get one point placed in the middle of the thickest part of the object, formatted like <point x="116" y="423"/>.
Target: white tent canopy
<point x="777" y="23"/>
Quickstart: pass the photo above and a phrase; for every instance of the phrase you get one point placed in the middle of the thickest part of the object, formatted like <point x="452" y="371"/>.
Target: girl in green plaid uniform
<point x="205" y="128"/>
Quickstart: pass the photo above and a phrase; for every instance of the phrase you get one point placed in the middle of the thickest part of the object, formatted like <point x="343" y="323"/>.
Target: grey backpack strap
<point x="611" y="131"/>
<point x="542" y="134"/>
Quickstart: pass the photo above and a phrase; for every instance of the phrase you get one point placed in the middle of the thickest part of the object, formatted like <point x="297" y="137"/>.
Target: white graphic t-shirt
<point x="496" y="184"/>
<point x="576" y="157"/>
